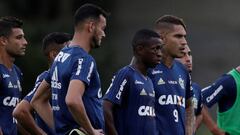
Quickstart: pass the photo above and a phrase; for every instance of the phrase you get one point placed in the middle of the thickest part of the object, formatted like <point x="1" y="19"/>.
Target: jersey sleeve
<point x="83" y="69"/>
<point x="189" y="91"/>
<point x="221" y="87"/>
<point x="198" y="105"/>
<point x="39" y="79"/>
<point x="48" y="77"/>
<point x="118" y="88"/>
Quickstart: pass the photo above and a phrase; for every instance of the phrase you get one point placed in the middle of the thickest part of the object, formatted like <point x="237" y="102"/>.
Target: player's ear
<point x="139" y="49"/>
<point x="91" y="26"/>
<point x="53" y="54"/>
<point x="3" y="40"/>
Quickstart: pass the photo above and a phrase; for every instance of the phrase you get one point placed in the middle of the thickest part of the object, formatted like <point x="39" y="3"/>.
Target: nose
<point x="184" y="41"/>
<point x="25" y="43"/>
<point x="104" y="35"/>
<point x="159" y="53"/>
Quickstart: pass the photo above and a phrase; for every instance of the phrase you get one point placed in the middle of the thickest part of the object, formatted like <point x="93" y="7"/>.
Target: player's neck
<point x="139" y="66"/>
<point x="167" y="60"/>
<point x="6" y="59"/>
<point x="82" y="40"/>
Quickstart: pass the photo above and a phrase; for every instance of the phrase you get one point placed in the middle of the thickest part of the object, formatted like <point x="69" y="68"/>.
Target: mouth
<point x="189" y="65"/>
<point x="181" y="49"/>
<point x="158" y="60"/>
<point x="23" y="49"/>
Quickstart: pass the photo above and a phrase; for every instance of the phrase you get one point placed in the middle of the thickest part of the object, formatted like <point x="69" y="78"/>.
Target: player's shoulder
<point x="196" y="86"/>
<point x="79" y="53"/>
<point x="42" y="75"/>
<point x="179" y="65"/>
<point x="125" y="70"/>
<point x="18" y="70"/>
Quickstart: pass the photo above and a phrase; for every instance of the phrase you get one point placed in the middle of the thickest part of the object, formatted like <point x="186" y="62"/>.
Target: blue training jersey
<point x="197" y="98"/>
<point x="172" y="89"/>
<point x="73" y="63"/>
<point x="223" y="91"/>
<point x="10" y="94"/>
<point x="29" y="97"/>
<point x="134" y="97"/>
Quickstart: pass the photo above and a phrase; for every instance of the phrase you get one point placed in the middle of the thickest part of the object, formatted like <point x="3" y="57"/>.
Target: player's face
<point x="16" y="43"/>
<point x="99" y="32"/>
<point x="186" y="60"/>
<point x="152" y="54"/>
<point x="175" y="41"/>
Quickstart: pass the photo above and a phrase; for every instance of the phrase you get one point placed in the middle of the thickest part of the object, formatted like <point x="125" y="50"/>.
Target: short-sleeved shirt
<point x="10" y="94"/>
<point x="133" y="96"/>
<point x="172" y="89"/>
<point x="29" y="97"/>
<point x="225" y="92"/>
<point x="197" y="98"/>
<point x="222" y="91"/>
<point x="73" y="63"/>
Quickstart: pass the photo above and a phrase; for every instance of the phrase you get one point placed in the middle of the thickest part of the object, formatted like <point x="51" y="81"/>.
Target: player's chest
<point x="141" y="88"/>
<point x="10" y="83"/>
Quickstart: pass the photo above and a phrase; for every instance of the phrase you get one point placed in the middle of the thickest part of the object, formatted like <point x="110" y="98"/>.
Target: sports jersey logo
<point x="56" y="108"/>
<point x="80" y="61"/>
<point x="156" y="72"/>
<point x="99" y="93"/>
<point x="11" y="101"/>
<point x="172" y="82"/>
<point x="121" y="89"/>
<point x="146" y="111"/>
<point x="195" y="102"/>
<point x="14" y="120"/>
<point x="54" y="82"/>
<point x="61" y="57"/>
<point x="211" y="97"/>
<point x="160" y="81"/>
<point x="54" y="96"/>
<point x="171" y="100"/>
<point x="152" y="94"/>
<point x="110" y="85"/>
<point x="5" y="75"/>
<point x="19" y="85"/>
<point x="138" y="82"/>
<point x="10" y="85"/>
<point x="181" y="82"/>
<point x="90" y="71"/>
<point x="143" y="92"/>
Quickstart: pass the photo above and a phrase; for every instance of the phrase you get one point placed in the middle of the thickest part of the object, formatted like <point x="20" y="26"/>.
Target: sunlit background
<point x="212" y="26"/>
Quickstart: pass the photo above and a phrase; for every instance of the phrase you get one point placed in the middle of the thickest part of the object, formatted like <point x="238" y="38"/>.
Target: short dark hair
<point x="7" y="23"/>
<point x="88" y="11"/>
<point x="143" y="36"/>
<point x="54" y="40"/>
<point x="167" y="22"/>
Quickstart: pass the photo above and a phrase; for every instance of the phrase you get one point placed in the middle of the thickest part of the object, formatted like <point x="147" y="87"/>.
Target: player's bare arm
<point x="109" y="120"/>
<point x="76" y="107"/>
<point x="24" y="117"/>
<point x="189" y="117"/>
<point x="40" y="103"/>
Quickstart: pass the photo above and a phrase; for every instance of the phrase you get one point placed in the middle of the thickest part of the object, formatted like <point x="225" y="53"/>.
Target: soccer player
<point x="52" y="44"/>
<point x="12" y="45"/>
<point x="171" y="80"/>
<point x="226" y="92"/>
<point x="200" y="112"/>
<point x="129" y="101"/>
<point x="74" y="80"/>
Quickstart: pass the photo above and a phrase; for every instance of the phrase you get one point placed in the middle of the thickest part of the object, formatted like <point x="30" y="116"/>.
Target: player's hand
<point x="1" y="133"/>
<point x="218" y="132"/>
<point x="98" y="132"/>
